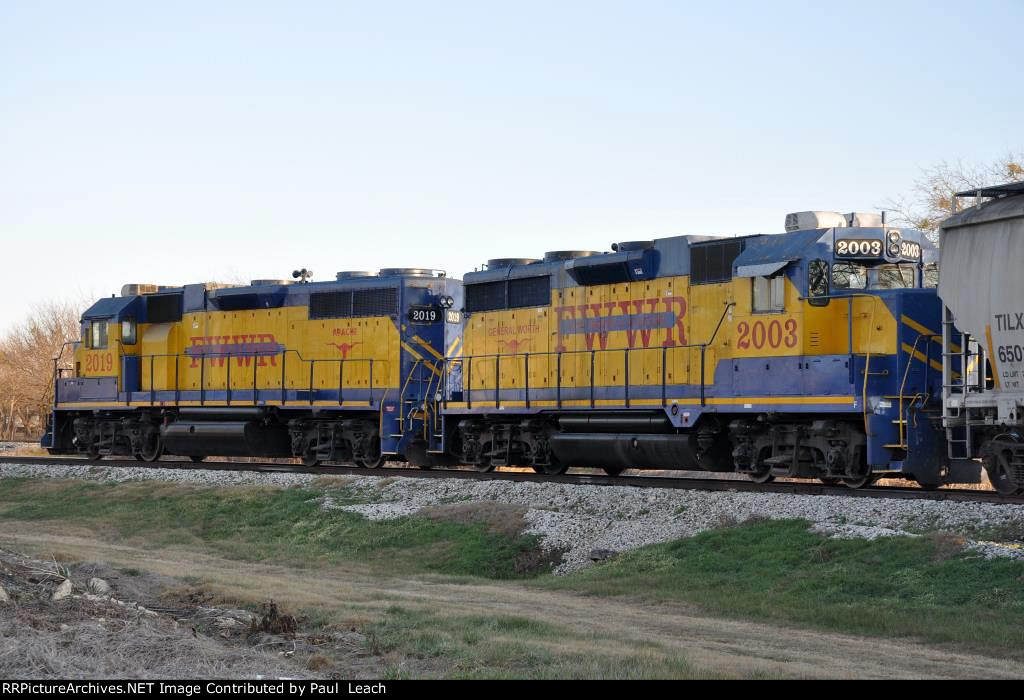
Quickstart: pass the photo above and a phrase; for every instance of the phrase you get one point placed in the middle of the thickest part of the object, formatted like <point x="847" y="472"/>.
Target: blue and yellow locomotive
<point x="812" y="353"/>
<point x="337" y="370"/>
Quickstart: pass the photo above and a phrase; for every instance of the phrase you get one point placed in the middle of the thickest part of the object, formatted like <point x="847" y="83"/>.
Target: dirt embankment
<point x="95" y="621"/>
<point x="188" y="637"/>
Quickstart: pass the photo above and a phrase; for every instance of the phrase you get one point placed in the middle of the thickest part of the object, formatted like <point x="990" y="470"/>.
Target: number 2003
<point x="760" y="334"/>
<point x="854" y="247"/>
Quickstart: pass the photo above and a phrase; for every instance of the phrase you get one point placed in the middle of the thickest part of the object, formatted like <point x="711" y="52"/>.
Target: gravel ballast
<point x="581" y="518"/>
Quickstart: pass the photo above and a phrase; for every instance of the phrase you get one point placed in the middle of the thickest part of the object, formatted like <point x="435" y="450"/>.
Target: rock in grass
<point x="602" y="554"/>
<point x="63" y="590"/>
<point x="98" y="585"/>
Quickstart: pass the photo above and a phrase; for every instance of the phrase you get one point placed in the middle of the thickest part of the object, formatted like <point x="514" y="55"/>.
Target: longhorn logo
<point x="344" y="348"/>
<point x="514" y="346"/>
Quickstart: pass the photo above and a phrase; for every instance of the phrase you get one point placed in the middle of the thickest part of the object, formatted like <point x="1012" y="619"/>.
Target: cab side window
<point x="817" y="282"/>
<point x="128" y="332"/>
<point x="98" y="335"/>
<point x="769" y="294"/>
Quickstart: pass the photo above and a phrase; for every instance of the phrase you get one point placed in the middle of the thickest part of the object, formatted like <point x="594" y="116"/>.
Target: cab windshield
<point x="849" y="276"/>
<point x="894" y="276"/>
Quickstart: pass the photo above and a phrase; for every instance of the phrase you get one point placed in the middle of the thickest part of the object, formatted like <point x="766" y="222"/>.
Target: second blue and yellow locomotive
<point x="337" y="370"/>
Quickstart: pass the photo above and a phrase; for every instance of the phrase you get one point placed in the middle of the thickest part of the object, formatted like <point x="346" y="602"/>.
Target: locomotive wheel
<point x="860" y="482"/>
<point x="761" y="477"/>
<point x="553" y="469"/>
<point x="484" y="464"/>
<point x="374" y="460"/>
<point x="152" y="447"/>
<point x="1000" y="474"/>
<point x="829" y="480"/>
<point x="93" y="453"/>
<point x="197" y="458"/>
<point x="613" y="471"/>
<point x="309" y="458"/>
<point x="371" y="463"/>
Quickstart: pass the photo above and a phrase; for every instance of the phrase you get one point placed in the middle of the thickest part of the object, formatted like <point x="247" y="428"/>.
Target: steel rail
<point x="795" y="487"/>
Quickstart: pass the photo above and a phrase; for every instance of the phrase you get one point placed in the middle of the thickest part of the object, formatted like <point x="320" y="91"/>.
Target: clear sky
<point x="185" y="141"/>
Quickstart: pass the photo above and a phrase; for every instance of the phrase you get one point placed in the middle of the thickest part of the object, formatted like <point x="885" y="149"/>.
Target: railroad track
<point x="805" y="488"/>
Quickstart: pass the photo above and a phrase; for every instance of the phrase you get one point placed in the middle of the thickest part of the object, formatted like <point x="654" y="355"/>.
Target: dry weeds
<point x="176" y="634"/>
<point x="502" y="518"/>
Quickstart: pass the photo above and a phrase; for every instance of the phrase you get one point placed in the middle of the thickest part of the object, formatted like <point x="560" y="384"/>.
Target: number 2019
<point x="99" y="363"/>
<point x="760" y="334"/>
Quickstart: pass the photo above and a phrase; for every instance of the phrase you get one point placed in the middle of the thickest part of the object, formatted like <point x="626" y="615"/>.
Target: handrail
<point x="225" y="359"/>
<point x="450" y="363"/>
<point x="875" y="298"/>
<point x="417" y="366"/>
<point x="401" y="395"/>
<point x="906" y="374"/>
<point x="428" y="398"/>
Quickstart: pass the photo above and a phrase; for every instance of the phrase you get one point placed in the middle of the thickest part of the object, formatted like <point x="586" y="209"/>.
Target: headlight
<point x="894" y="243"/>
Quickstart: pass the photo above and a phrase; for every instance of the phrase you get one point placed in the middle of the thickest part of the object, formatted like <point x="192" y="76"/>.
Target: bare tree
<point x="931" y="199"/>
<point x="26" y="365"/>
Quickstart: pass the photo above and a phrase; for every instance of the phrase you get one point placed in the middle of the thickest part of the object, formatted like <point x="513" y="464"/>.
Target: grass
<point x="780" y="571"/>
<point x="774" y="571"/>
<point x="504" y="647"/>
<point x="264" y="524"/>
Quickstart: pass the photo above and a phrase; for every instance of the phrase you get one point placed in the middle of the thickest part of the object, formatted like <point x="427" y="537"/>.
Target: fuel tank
<point x="226" y="438"/>
<point x="615" y="423"/>
<point x="626" y="450"/>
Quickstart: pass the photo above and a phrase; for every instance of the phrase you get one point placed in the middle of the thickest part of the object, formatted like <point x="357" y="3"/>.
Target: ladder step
<point x="898" y="422"/>
<point x="896" y="447"/>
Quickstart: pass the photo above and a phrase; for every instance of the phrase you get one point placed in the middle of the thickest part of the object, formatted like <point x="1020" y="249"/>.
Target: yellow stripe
<point x="422" y="359"/>
<point x="935" y="337"/>
<point x="213" y="404"/>
<point x="451" y="350"/>
<point x="917" y="354"/>
<point x="93" y="404"/>
<point x="412" y="351"/>
<point x="428" y="347"/>
<point x="992" y="356"/>
<point x="347" y="404"/>
<point x="733" y="401"/>
<point x="779" y="400"/>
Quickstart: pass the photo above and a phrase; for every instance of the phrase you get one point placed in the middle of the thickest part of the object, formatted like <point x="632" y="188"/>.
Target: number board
<point x="453" y="316"/>
<point x="873" y="248"/>
<point x="424" y="314"/>
<point x="910" y="250"/>
<point x="859" y="248"/>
